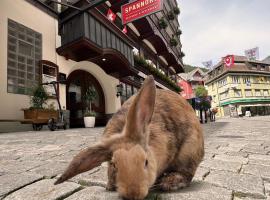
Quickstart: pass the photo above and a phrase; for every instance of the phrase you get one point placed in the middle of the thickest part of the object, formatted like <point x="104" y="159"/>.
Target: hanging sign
<point x="140" y="8"/>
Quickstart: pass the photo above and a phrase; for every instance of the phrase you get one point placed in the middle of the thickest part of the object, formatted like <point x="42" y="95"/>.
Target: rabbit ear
<point x="141" y="111"/>
<point x="90" y="158"/>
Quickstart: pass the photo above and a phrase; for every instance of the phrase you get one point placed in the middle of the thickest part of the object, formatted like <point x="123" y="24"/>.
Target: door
<point x="77" y="84"/>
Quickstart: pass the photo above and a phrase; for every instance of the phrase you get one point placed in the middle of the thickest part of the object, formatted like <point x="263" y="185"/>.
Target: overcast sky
<point x="215" y="28"/>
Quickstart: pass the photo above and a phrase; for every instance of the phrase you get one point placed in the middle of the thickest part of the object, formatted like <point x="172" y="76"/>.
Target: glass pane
<point x="12" y="81"/>
<point x="11" y="64"/>
<point x="21" y="82"/>
<point x="74" y="91"/>
<point x="25" y="49"/>
<point x="21" y="66"/>
<point x="12" y="72"/>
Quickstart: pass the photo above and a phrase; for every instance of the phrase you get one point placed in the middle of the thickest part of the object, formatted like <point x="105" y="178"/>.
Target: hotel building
<point x="44" y="40"/>
<point x="245" y="86"/>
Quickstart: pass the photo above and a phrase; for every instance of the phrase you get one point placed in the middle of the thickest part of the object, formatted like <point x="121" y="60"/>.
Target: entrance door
<point x="77" y="84"/>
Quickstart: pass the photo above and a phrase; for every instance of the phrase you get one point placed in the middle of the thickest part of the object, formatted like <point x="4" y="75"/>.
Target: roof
<point x="267" y="60"/>
<point x="242" y="64"/>
<point x="189" y="76"/>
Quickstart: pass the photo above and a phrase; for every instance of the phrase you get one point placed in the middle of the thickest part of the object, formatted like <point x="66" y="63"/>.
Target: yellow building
<point x="243" y="87"/>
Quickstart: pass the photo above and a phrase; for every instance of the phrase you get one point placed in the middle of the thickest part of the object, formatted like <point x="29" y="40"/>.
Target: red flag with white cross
<point x="229" y="60"/>
<point x="125" y="29"/>
<point x="111" y="15"/>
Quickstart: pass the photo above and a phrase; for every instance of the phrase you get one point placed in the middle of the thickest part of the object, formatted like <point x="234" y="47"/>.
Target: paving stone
<point x="234" y="153"/>
<point x="238" y="159"/>
<point x="11" y="182"/>
<point x="94" y="193"/>
<point x="15" y="166"/>
<point x="244" y="184"/>
<point x="267" y="188"/>
<point x="260" y="159"/>
<point x="51" y="169"/>
<point x="258" y="170"/>
<point x="198" y="190"/>
<point x="95" y="177"/>
<point x="221" y="165"/>
<point x="230" y="148"/>
<point x="44" y="190"/>
<point x="201" y="173"/>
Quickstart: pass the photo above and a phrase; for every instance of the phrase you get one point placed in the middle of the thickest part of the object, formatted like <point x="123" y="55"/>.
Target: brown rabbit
<point x="155" y="138"/>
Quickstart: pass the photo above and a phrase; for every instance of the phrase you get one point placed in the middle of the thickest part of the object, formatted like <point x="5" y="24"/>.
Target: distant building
<point x="243" y="87"/>
<point x="189" y="81"/>
<point x="267" y="60"/>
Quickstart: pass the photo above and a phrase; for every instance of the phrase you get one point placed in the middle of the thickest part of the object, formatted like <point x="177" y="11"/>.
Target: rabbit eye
<point x="146" y="163"/>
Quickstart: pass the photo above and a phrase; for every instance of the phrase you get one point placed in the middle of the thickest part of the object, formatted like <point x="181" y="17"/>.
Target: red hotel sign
<point x="139" y="9"/>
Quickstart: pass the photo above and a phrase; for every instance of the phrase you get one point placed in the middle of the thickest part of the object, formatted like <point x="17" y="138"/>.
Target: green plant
<point x="162" y="23"/>
<point x="171" y="15"/>
<point x="51" y="106"/>
<point x="176" y="10"/>
<point x="38" y="97"/>
<point x="183" y="54"/>
<point x="173" y="42"/>
<point x="201" y="91"/>
<point x="178" y="32"/>
<point x="89" y="97"/>
<point x="154" y="71"/>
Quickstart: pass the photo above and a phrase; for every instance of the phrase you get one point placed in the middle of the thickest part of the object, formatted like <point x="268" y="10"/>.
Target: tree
<point x="201" y="91"/>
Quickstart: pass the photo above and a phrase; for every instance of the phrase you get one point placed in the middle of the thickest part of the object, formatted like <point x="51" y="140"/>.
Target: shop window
<point x="246" y="79"/>
<point x="248" y="93"/>
<point x="23" y="55"/>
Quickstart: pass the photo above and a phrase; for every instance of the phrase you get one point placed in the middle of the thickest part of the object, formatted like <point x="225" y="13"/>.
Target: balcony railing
<point x="154" y="21"/>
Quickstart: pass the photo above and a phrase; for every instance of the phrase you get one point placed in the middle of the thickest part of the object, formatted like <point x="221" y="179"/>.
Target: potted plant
<point x="178" y="32"/>
<point x="162" y="23"/>
<point x="171" y="15"/>
<point x="89" y="115"/>
<point x="173" y="42"/>
<point x="176" y="10"/>
<point x="38" y="113"/>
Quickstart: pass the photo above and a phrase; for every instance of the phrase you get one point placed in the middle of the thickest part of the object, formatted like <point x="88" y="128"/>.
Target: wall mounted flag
<point x="229" y="60"/>
<point x="111" y="16"/>
<point x="125" y="29"/>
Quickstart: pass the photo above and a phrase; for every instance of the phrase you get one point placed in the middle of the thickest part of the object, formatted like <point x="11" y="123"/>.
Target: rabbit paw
<point x="172" y="182"/>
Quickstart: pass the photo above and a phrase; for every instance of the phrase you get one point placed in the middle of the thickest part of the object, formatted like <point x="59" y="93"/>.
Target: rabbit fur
<point x="154" y="141"/>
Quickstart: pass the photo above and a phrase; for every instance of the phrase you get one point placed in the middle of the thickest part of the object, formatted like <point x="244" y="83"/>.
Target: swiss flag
<point x="125" y="30"/>
<point x="229" y="60"/>
<point x="111" y="16"/>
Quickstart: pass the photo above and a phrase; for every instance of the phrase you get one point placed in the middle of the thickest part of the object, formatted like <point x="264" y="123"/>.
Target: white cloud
<point x="213" y="29"/>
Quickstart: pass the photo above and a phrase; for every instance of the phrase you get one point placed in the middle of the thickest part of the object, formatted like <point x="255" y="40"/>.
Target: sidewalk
<point x="236" y="164"/>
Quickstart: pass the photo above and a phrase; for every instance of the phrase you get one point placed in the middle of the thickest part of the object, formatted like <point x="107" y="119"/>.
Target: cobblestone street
<point x="236" y="164"/>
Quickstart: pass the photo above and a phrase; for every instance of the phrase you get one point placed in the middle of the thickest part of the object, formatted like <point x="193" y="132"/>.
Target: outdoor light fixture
<point x="119" y="89"/>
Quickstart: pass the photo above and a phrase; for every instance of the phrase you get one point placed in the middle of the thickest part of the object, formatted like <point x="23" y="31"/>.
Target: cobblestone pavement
<point x="236" y="164"/>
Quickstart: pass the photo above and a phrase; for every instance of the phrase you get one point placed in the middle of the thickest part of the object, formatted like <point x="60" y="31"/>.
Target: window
<point x="224" y="95"/>
<point x="24" y="53"/>
<point x="262" y="68"/>
<point x="265" y="93"/>
<point x="235" y="79"/>
<point x="248" y="93"/>
<point x="237" y="93"/>
<point x="258" y="93"/>
<point x="222" y="82"/>
<point x="246" y="79"/>
<point x="128" y="91"/>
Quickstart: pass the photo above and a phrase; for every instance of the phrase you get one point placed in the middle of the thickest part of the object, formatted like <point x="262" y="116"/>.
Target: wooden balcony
<point x="90" y="36"/>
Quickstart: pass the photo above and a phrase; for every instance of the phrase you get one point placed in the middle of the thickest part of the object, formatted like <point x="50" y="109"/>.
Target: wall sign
<point x="140" y="8"/>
